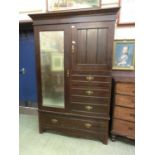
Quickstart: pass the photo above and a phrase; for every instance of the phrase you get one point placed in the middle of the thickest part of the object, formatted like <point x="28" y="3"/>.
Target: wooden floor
<point x="33" y="143"/>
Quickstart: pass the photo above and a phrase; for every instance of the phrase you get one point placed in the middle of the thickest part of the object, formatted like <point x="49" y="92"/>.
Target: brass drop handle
<point x="88" y="108"/>
<point x="88" y="125"/>
<point x="89" y="78"/>
<point x="89" y="92"/>
<point x="54" y="121"/>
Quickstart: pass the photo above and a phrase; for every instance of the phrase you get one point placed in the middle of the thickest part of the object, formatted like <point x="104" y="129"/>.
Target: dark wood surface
<point x="25" y="25"/>
<point x="94" y="78"/>
<point x="88" y="36"/>
<point x="94" y="92"/>
<point x="96" y="84"/>
<point x="76" y="12"/>
<point x="90" y="109"/>
<point x="77" y="126"/>
<point x="92" y="46"/>
<point x="90" y="99"/>
<point x="74" y="17"/>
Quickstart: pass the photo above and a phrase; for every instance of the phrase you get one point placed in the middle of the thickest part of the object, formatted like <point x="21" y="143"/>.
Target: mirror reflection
<point x="52" y="68"/>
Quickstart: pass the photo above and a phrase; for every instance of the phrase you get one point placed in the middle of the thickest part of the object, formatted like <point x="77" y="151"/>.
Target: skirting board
<point x="28" y="110"/>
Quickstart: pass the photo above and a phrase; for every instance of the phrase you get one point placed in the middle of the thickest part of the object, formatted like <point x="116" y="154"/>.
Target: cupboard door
<point x="92" y="46"/>
<point x="52" y="65"/>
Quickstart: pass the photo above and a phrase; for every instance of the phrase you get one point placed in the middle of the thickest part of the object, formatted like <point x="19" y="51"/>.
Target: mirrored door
<point x="52" y="68"/>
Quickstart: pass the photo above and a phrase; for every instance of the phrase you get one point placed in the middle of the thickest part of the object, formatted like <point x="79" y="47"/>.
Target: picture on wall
<point x="123" y="54"/>
<point x="54" y="5"/>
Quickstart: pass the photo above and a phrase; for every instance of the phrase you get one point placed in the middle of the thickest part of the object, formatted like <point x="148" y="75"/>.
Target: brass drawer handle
<point x="89" y="92"/>
<point x="89" y="78"/>
<point x="54" y="121"/>
<point x="88" y="107"/>
<point x="88" y="125"/>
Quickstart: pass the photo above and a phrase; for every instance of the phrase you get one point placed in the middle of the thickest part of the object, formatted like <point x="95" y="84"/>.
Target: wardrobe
<point x="74" y="61"/>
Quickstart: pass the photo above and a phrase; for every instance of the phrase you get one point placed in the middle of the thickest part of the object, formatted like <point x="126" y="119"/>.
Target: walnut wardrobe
<point x="74" y="57"/>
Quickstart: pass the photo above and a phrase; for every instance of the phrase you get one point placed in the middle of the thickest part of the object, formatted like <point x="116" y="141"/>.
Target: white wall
<point x="30" y="6"/>
<point x="126" y="32"/>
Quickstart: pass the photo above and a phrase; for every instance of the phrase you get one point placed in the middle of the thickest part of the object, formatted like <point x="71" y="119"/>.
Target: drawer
<point x="90" y="99"/>
<point x="124" y="113"/>
<point x="123" y="128"/>
<point x="89" y="109"/>
<point x="90" y="78"/>
<point x="98" y="85"/>
<point x="125" y="88"/>
<point x="125" y="100"/>
<point x="60" y="121"/>
<point x="90" y="92"/>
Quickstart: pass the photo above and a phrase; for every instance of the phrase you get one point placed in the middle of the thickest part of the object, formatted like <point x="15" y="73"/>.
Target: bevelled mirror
<point x="52" y="68"/>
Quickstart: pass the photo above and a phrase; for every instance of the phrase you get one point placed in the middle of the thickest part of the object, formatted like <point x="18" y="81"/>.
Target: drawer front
<point x="94" y="84"/>
<point x="124" y="128"/>
<point x="57" y="121"/>
<point x="90" y="99"/>
<point x="91" y="92"/>
<point x="125" y="88"/>
<point x="125" y="100"/>
<point x="89" y="109"/>
<point x="124" y="113"/>
<point x="91" y="78"/>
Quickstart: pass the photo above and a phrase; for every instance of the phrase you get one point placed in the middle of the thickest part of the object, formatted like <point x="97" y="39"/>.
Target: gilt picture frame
<point x="124" y="55"/>
<point x="58" y="5"/>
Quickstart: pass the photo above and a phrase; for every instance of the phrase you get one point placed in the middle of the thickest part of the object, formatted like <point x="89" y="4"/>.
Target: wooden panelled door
<point x="91" y="46"/>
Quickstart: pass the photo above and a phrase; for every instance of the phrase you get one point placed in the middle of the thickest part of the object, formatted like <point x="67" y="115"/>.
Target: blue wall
<point x="27" y="81"/>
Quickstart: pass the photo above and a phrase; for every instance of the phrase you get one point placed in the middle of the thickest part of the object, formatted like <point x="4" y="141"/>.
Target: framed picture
<point x="126" y="15"/>
<point x="124" y="55"/>
<point x="54" y="5"/>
